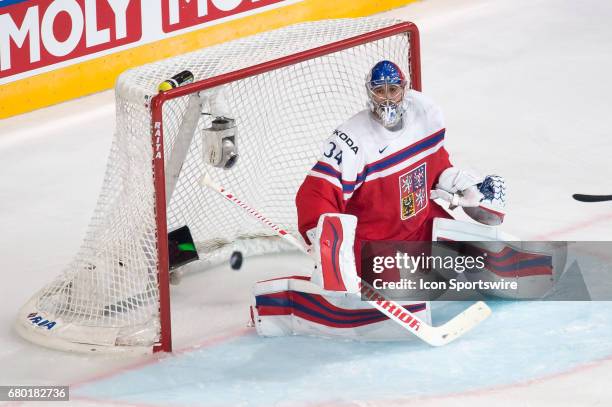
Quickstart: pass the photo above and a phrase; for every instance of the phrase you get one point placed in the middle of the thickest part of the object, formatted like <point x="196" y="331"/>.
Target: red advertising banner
<point x="38" y="33"/>
<point x="179" y="14"/>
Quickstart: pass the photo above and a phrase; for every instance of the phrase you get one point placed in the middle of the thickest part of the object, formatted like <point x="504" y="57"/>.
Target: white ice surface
<point x="525" y="86"/>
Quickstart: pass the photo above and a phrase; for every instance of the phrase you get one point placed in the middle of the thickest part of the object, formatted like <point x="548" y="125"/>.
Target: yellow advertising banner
<point x="56" y="50"/>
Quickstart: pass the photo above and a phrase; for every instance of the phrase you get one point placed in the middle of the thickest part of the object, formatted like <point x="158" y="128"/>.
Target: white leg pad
<point x="535" y="266"/>
<point x="333" y="245"/>
<point x="296" y="306"/>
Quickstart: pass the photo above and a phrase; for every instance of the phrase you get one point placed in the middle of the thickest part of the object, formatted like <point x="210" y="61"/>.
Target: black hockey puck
<point x="236" y="260"/>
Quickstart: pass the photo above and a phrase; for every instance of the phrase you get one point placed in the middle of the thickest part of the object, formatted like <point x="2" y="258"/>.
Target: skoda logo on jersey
<point x="413" y="191"/>
<point x="349" y="142"/>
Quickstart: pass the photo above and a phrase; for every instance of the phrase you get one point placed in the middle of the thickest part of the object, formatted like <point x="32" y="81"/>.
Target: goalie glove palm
<point x="469" y="197"/>
<point x="484" y="200"/>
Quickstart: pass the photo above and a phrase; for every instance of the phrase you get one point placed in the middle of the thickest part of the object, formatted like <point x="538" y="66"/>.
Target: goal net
<point x="287" y="90"/>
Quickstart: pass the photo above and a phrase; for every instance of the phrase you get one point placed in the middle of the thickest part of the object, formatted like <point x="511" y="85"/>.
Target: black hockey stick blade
<point x="181" y="249"/>
<point x="592" y="198"/>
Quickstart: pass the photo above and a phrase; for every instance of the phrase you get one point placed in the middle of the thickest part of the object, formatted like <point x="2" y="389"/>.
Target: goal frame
<point x="157" y="139"/>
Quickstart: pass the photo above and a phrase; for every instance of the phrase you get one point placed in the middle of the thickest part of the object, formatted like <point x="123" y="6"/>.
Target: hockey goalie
<point x="376" y="179"/>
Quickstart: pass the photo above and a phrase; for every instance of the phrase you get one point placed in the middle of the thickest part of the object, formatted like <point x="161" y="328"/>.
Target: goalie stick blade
<point x="458" y="326"/>
<point x="592" y="198"/>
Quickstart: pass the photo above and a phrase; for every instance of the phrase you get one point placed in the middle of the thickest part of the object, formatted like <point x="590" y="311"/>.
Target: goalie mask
<point x="385" y="84"/>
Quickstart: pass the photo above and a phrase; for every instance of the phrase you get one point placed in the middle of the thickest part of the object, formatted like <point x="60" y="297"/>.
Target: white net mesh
<point x="109" y="294"/>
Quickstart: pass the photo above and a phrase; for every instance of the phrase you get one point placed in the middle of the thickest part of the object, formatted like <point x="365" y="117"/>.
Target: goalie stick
<point x="435" y="336"/>
<point x="592" y="198"/>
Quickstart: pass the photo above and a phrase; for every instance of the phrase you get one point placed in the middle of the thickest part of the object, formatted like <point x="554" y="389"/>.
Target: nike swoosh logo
<point x="383" y="150"/>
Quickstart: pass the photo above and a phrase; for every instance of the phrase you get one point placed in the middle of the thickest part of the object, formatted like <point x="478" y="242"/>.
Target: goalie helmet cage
<point x="287" y="89"/>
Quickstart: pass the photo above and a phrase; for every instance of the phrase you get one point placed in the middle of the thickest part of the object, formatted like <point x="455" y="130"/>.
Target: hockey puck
<point x="236" y="260"/>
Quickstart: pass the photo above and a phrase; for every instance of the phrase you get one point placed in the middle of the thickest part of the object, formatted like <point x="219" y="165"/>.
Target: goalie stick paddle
<point x="592" y="198"/>
<point x="435" y="336"/>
